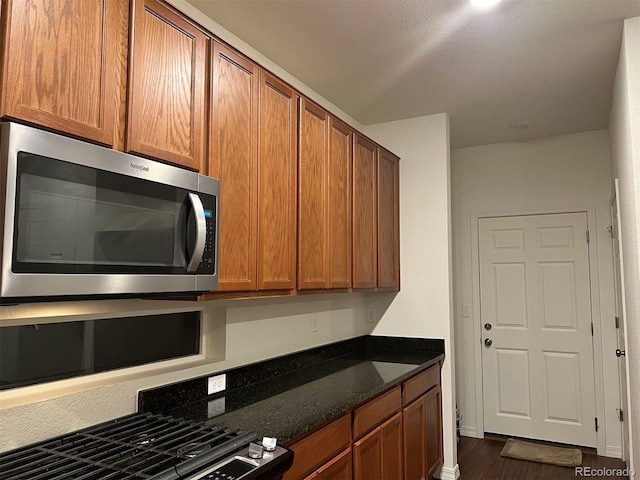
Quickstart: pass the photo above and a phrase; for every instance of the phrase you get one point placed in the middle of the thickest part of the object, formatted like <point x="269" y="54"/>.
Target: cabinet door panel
<point x="433" y="406"/>
<point x="391" y="437"/>
<point x="364" y="214"/>
<point x="233" y="154"/>
<point x="340" y="468"/>
<point x="388" y="221"/>
<point x="312" y="184"/>
<point x="319" y="448"/>
<point x="277" y="185"/>
<point x="64" y="65"/>
<point x="167" y="95"/>
<point x="413" y="417"/>
<point x="367" y="457"/>
<point x="339" y="205"/>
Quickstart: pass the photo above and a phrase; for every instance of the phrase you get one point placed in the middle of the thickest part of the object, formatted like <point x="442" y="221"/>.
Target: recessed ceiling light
<point x="519" y="125"/>
<point x="484" y="3"/>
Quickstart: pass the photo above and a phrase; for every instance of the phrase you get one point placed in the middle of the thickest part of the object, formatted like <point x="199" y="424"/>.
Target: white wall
<point x="255" y="330"/>
<point x="423" y="306"/>
<point x="564" y="173"/>
<point x="624" y="128"/>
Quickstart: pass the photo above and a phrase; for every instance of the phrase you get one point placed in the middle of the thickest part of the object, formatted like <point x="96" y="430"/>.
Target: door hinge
<point x="588" y="239"/>
<point x="592" y="329"/>
<point x="617" y="322"/>
<point x="596" y="419"/>
<point x="620" y="414"/>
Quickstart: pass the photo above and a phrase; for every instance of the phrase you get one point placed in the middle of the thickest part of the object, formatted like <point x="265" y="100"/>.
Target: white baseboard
<point x="449" y="473"/>
<point x="614" y="452"/>
<point x="468" y="432"/>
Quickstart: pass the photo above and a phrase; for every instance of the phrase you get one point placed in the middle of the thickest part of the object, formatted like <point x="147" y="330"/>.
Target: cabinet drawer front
<point x="340" y="468"/>
<point x="416" y="386"/>
<point x="376" y="411"/>
<point x="316" y="449"/>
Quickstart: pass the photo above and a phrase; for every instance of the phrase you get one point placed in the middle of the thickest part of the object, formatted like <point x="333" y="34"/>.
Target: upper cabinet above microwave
<point x="64" y="66"/>
<point x="167" y="86"/>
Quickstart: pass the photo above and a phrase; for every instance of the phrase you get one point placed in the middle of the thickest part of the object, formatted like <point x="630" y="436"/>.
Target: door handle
<point x="488" y="342"/>
<point x="620" y="353"/>
<point x="201" y="232"/>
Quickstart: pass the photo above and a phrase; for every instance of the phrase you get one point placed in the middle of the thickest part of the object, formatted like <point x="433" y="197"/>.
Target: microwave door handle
<point x="201" y="232"/>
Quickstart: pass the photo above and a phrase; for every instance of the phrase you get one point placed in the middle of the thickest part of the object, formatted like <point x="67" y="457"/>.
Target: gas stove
<point x="147" y="446"/>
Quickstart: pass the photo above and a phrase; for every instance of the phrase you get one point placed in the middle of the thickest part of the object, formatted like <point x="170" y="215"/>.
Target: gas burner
<point x="143" y="440"/>
<point x="145" y="447"/>
<point x="191" y="450"/>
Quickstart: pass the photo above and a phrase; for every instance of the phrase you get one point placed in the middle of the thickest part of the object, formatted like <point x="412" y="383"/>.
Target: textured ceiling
<point x="547" y="62"/>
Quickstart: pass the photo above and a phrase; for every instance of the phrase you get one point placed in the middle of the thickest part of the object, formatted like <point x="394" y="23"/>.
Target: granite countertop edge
<point x="291" y="396"/>
<point x="326" y="417"/>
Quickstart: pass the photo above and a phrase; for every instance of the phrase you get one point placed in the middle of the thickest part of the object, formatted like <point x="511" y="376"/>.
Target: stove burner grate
<point x="140" y="446"/>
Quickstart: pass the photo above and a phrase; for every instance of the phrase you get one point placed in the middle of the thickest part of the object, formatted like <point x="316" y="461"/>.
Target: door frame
<point x="595" y="311"/>
<point x="624" y="402"/>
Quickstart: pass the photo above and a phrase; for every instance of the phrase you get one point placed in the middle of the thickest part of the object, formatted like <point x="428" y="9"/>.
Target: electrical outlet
<point x="217" y="384"/>
<point x="216" y="407"/>
<point x="371" y="315"/>
<point x="314" y="324"/>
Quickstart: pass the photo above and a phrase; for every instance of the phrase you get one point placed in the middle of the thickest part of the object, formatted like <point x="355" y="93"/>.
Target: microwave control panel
<point x="207" y="265"/>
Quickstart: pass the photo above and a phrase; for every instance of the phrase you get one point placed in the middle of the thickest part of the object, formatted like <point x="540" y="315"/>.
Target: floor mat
<point x="535" y="452"/>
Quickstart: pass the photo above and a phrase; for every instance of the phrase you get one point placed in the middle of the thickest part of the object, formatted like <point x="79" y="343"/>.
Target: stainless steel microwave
<point x="84" y="220"/>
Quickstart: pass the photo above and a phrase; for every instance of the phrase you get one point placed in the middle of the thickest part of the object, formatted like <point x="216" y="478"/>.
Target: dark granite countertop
<point x="302" y="391"/>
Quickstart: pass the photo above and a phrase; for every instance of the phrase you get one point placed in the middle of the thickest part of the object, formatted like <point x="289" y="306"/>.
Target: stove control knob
<point x="269" y="443"/>
<point x="255" y="450"/>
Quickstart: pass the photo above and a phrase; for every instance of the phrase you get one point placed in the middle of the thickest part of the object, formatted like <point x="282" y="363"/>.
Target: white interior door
<point x="537" y="353"/>
<point x="621" y="320"/>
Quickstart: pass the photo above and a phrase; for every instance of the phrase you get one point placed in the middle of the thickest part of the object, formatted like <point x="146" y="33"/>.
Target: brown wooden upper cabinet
<point x="339" y="204"/>
<point x="253" y="149"/>
<point x="388" y="221"/>
<point x="277" y="154"/>
<point x="365" y="236"/>
<point x="233" y="156"/>
<point x="64" y="66"/>
<point x="312" y="196"/>
<point x="324" y="193"/>
<point x="167" y="86"/>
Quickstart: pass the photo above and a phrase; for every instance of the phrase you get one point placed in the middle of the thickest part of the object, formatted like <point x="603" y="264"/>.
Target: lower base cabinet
<point x="415" y="458"/>
<point x="378" y="455"/>
<point x="433" y="433"/>
<point x="422" y="421"/>
<point x="396" y="436"/>
<point x="340" y="468"/>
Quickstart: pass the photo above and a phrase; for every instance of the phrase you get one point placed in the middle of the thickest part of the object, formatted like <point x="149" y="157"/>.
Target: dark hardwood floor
<point x="479" y="459"/>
